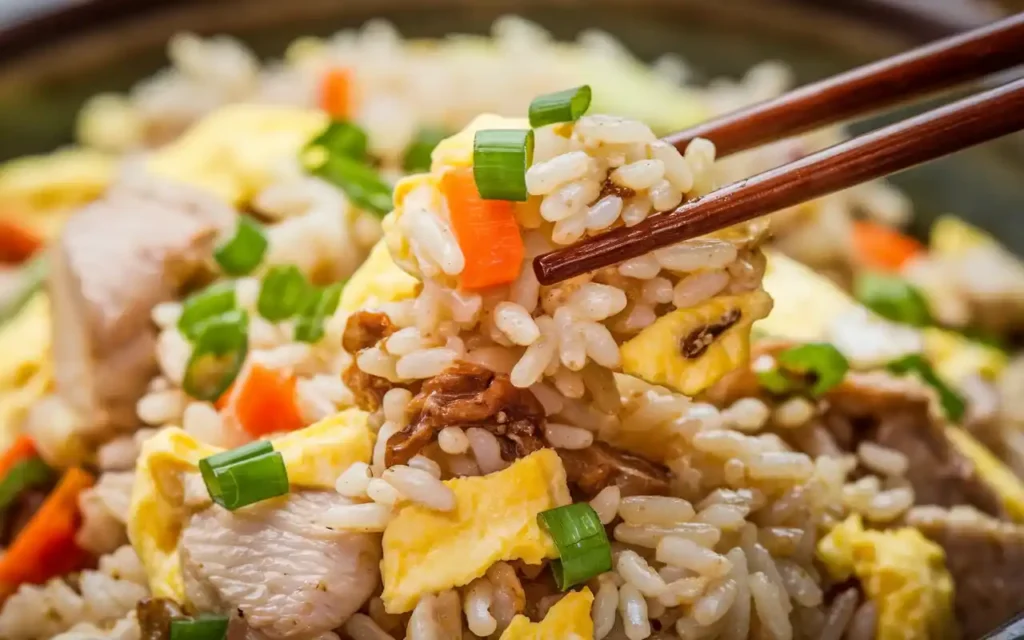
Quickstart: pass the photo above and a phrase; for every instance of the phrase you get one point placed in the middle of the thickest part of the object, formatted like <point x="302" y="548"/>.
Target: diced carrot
<point x="336" y="93"/>
<point x="877" y="246"/>
<point x="486" y="230"/>
<point x="46" y="547"/>
<point x="22" y="449"/>
<point x="262" y="401"/>
<point x="17" y="242"/>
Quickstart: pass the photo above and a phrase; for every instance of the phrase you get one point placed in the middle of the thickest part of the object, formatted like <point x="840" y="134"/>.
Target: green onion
<point x="818" y="365"/>
<point x="244" y="251"/>
<point x="218" y="353"/>
<point x="893" y="298"/>
<point x="25" y="474"/>
<point x="245" y="475"/>
<point x="282" y="293"/>
<point x="417" y="155"/>
<point x="204" y="305"/>
<point x="206" y="627"/>
<point x="363" y="186"/>
<point x="561" y="106"/>
<point x="952" y="403"/>
<point x="31" y="279"/>
<point x="319" y="305"/>
<point x="341" y="138"/>
<point x="500" y="160"/>
<point x="583" y="547"/>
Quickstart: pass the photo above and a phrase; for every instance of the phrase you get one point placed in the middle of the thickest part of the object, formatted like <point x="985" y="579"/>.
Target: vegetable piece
<point x="319" y="305"/>
<point x="892" y="298"/>
<point x="46" y="546"/>
<point x="17" y="242"/>
<point x="486" y="230"/>
<point x="500" y="160"/>
<point x="361" y="184"/>
<point x="244" y="251"/>
<point x="32" y="276"/>
<point x="22" y="449"/>
<point x="341" y="138"/>
<point x="245" y="475"/>
<point x="583" y="547"/>
<point x="262" y="401"/>
<point x="336" y="93"/>
<point x="952" y="403"/>
<point x="417" y="155"/>
<point x="25" y="474"/>
<point x="205" y="305"/>
<point x="282" y="293"/>
<point x="561" y="106"/>
<point x="217" y="355"/>
<point x="878" y="246"/>
<point x="818" y="365"/>
<point x="205" y="627"/>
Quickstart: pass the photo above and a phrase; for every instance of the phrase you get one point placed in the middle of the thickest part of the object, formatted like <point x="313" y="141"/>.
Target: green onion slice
<point x="583" y="547"/>
<point x="244" y="251"/>
<point x="206" y="627"/>
<point x="820" y="362"/>
<point x="361" y="184"/>
<point x="319" y="305"/>
<point x="218" y="353"/>
<point x="500" y="160"/>
<point x="952" y="403"/>
<point x="893" y="298"/>
<point x="342" y="138"/>
<point x="32" y="472"/>
<point x="282" y="293"/>
<point x="31" y="279"/>
<point x="561" y="106"/>
<point x="245" y="475"/>
<point x="209" y="303"/>
<point x="417" y="155"/>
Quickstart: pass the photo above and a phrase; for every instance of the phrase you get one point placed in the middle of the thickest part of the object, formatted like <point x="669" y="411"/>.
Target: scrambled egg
<point x="495" y="519"/>
<point x="951" y="236"/>
<point x="314" y="457"/>
<point x="56" y="181"/>
<point x="26" y="371"/>
<point x="992" y="471"/>
<point x="234" y="151"/>
<point x="376" y="281"/>
<point x="901" y="571"/>
<point x="569" y="619"/>
<point x="956" y="357"/>
<point x="656" y="353"/>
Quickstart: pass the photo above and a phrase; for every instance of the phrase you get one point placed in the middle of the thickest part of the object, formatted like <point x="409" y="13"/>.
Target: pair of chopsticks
<point x="941" y="65"/>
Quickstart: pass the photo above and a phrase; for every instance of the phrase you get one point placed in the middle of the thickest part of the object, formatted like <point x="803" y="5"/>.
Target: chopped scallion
<point x="893" y="298"/>
<point x="952" y="403"/>
<point x="561" y="106"/>
<point x="201" y="306"/>
<point x="244" y="251"/>
<point x="206" y="627"/>
<point x="218" y="353"/>
<point x="582" y="543"/>
<point x="245" y="475"/>
<point x="361" y="183"/>
<point x="820" y="363"/>
<point x="319" y="305"/>
<point x="342" y="138"/>
<point x="500" y="160"/>
<point x="28" y="473"/>
<point x="417" y="156"/>
<point x="282" y="293"/>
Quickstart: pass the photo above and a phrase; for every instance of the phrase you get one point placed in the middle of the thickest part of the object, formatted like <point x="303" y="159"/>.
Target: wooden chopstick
<point x="962" y="124"/>
<point x="934" y="67"/>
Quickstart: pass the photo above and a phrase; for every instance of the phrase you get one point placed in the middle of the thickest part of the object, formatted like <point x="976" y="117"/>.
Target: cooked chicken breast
<point x="270" y="563"/>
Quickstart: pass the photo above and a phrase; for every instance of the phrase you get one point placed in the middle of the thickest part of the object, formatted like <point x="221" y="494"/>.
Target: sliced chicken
<point x="270" y="563"/>
<point x="115" y="260"/>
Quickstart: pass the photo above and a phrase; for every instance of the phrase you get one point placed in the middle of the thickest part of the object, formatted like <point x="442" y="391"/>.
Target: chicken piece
<point x="286" y="576"/>
<point x="115" y="260"/>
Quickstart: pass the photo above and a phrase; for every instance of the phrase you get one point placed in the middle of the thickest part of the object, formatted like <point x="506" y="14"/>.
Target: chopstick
<point x="959" y="125"/>
<point x="916" y="73"/>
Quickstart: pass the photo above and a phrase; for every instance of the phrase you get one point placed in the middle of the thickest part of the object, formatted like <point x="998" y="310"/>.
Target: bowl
<point x="56" y="55"/>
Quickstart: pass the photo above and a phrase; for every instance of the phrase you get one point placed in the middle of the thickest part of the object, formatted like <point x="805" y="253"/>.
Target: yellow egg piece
<point x="806" y="303"/>
<point x="689" y="350"/>
<point x="495" y="519"/>
<point x="457" y="150"/>
<point x="902" y="572"/>
<point x="956" y="357"/>
<point x="233" y="151"/>
<point x="376" y="281"/>
<point x="992" y="471"/>
<point x="317" y="455"/>
<point x="56" y="181"/>
<point x="950" y="236"/>
<point x="568" y="619"/>
<point x="26" y="372"/>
